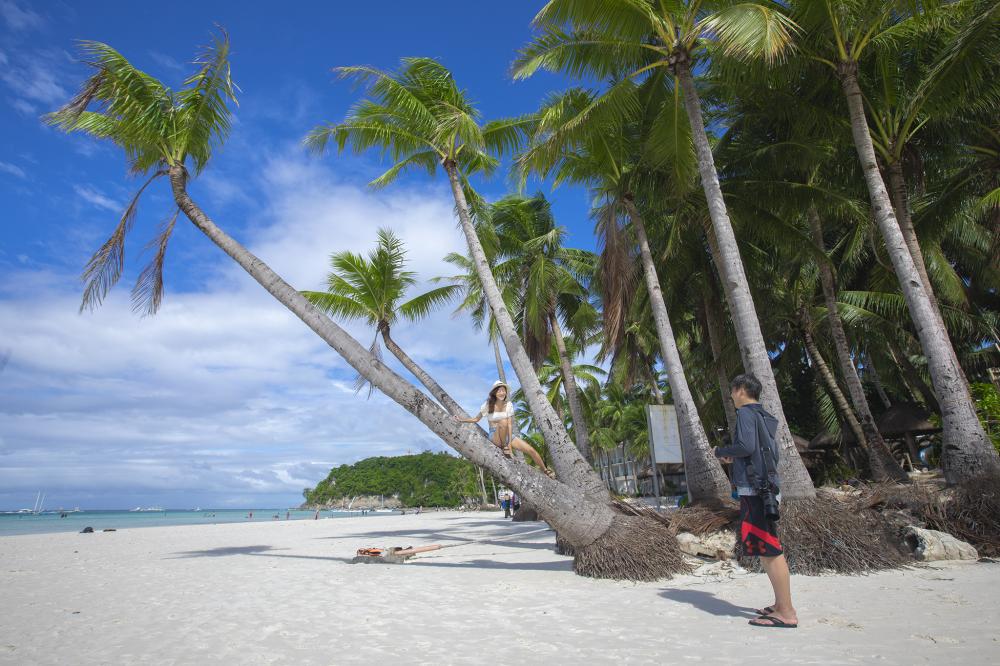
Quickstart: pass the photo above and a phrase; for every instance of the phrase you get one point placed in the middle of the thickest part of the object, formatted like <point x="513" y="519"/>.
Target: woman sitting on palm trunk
<point x="499" y="415"/>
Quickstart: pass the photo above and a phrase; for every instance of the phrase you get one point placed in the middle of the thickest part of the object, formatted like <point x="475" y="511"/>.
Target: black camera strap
<point x="764" y="441"/>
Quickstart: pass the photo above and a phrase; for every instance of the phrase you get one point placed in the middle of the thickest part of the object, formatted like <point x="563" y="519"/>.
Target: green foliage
<point x="426" y="479"/>
<point x="988" y="408"/>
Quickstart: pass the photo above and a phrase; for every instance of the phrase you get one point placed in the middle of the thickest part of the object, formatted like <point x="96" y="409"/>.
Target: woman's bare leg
<point x="522" y="445"/>
<point x="501" y="436"/>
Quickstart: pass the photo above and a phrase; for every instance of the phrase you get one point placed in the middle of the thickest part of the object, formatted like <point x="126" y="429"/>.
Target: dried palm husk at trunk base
<point x="830" y="534"/>
<point x="636" y="548"/>
<point x="970" y="512"/>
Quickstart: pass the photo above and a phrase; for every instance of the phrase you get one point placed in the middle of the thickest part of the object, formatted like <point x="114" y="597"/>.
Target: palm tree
<point x="840" y="36"/>
<point x="420" y="118"/>
<point x="548" y="279"/>
<point x="165" y="132"/>
<point x="372" y="290"/>
<point x="623" y="158"/>
<point x="632" y="38"/>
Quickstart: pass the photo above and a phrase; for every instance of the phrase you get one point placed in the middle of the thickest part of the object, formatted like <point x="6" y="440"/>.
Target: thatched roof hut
<point x="905" y="418"/>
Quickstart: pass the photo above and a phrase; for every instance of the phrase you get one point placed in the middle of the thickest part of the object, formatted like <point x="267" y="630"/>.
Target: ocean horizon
<point x="13" y="523"/>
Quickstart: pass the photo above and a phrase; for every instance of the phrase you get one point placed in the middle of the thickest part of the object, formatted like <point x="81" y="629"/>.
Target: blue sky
<point x="222" y="399"/>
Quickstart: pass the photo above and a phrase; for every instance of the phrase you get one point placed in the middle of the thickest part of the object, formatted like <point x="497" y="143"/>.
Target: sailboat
<point x="39" y="503"/>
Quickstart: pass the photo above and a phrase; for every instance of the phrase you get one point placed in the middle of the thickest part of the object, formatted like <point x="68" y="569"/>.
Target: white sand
<point x="282" y="593"/>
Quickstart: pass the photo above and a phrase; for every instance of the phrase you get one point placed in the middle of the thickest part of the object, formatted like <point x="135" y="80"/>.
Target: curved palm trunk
<point x="577" y="519"/>
<point x="795" y="480"/>
<point x="569" y="464"/>
<point x="580" y="429"/>
<point x="967" y="450"/>
<point x="705" y="479"/>
<point x="883" y="465"/>
<point x="439" y="393"/>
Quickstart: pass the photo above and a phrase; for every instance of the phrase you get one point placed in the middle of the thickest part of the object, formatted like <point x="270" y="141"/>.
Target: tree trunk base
<point x="564" y="547"/>
<point x="832" y="535"/>
<point x="634" y="548"/>
<point x="525" y="514"/>
<point x="972" y="514"/>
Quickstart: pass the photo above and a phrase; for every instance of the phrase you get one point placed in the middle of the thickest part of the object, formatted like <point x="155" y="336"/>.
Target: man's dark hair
<point x="748" y="383"/>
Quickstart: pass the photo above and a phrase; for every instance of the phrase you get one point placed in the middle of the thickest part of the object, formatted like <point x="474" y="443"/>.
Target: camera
<point x="769" y="499"/>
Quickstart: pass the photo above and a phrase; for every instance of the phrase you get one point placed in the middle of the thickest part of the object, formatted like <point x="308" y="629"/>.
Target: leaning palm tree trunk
<point x="706" y="481"/>
<point x="439" y="393"/>
<point x="883" y="465"/>
<point x="569" y="464"/>
<point x="580" y="430"/>
<point x="578" y="519"/>
<point x="967" y="451"/>
<point x="795" y="480"/>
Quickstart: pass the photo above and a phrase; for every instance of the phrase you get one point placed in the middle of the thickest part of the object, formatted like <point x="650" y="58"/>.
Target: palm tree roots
<point x="635" y="548"/>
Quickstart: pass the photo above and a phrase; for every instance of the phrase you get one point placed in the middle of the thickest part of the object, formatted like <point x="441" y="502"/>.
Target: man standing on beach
<point x="752" y="440"/>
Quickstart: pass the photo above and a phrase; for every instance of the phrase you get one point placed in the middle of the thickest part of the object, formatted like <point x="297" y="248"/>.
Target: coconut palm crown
<point x="158" y="128"/>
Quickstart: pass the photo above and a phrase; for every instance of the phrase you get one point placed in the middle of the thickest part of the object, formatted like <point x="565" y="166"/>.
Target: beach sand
<point x="283" y="593"/>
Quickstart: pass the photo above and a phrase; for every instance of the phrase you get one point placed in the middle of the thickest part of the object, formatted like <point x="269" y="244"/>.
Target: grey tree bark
<point x="569" y="465"/>
<point x="439" y="393"/>
<point x="713" y="323"/>
<point x="795" y="480"/>
<point x="578" y="519"/>
<point x="883" y="465"/>
<point x="705" y="479"/>
<point x="580" y="429"/>
<point x="967" y="451"/>
<point x="501" y="375"/>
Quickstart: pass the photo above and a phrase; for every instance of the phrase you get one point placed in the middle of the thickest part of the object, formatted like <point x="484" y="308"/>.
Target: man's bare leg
<point x="781" y="581"/>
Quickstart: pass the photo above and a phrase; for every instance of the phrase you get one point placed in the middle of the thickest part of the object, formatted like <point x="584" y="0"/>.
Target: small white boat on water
<point x="138" y="508"/>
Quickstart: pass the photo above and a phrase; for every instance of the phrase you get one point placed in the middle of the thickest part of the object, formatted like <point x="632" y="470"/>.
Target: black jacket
<point x="746" y="447"/>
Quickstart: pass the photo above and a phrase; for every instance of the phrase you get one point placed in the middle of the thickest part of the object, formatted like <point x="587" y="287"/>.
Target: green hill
<point x="427" y="479"/>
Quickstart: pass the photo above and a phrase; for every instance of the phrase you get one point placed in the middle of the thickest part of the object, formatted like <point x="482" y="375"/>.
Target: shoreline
<point x="242" y="593"/>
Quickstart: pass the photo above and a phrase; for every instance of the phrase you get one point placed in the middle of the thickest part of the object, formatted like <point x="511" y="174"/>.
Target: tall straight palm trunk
<point x="839" y="400"/>
<point x="883" y="465"/>
<point x="580" y="430"/>
<point x="713" y="324"/>
<point x="439" y="393"/>
<point x="578" y="519"/>
<point x="967" y="451"/>
<point x="571" y="467"/>
<point x="705" y="479"/>
<point x="501" y="375"/>
<point x="795" y="480"/>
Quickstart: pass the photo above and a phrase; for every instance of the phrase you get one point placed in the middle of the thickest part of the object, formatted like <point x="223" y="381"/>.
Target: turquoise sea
<point x="53" y="521"/>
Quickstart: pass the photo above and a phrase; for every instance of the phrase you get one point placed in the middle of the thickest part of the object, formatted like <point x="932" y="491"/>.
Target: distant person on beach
<point x="753" y="439"/>
<point x="316" y="517"/>
<point x="499" y="414"/>
<point x="250" y="516"/>
<point x="505" y="503"/>
<point x="515" y="502"/>
<point x="288" y="515"/>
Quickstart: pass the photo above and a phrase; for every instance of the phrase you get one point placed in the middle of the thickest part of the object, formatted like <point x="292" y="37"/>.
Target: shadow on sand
<point x="708" y="603"/>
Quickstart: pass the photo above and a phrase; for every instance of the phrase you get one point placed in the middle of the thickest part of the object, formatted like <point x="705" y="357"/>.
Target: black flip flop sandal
<point x="776" y="623"/>
<point x="766" y="610"/>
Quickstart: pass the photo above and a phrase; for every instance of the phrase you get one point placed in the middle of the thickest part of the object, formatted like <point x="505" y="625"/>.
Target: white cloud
<point x="93" y="196"/>
<point x="164" y="60"/>
<point x="36" y="80"/>
<point x="12" y="169"/>
<point x="224" y="396"/>
<point x="18" y="18"/>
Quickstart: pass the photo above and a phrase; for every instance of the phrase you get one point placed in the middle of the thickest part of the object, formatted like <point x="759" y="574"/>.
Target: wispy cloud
<point x="93" y="196"/>
<point x="164" y="60"/>
<point x="18" y="18"/>
<point x="12" y="169"/>
<point x="222" y="397"/>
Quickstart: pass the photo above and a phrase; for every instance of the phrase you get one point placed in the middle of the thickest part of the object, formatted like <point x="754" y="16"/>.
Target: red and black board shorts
<point x="758" y="535"/>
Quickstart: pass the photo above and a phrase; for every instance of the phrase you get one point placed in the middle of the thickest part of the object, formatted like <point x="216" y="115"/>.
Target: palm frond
<point x="147" y="294"/>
